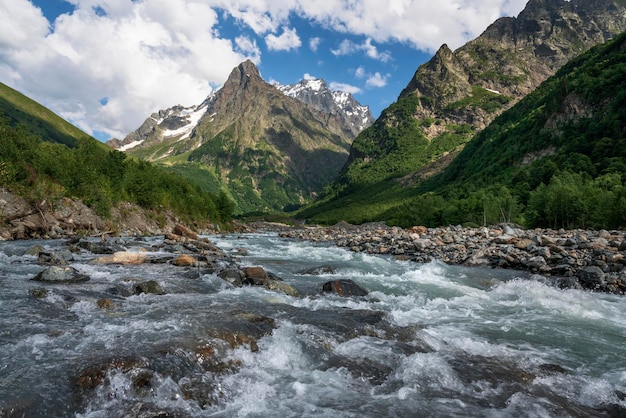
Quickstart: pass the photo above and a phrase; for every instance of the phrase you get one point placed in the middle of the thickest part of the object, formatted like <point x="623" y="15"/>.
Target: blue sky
<point x="106" y="65"/>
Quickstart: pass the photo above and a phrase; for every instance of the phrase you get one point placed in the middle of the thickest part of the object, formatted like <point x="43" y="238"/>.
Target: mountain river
<point x="429" y="340"/>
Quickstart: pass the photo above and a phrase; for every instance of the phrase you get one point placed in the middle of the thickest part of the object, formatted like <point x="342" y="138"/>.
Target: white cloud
<point x="344" y="87"/>
<point x="314" y="43"/>
<point x="288" y="40"/>
<point x="347" y="47"/>
<point x="377" y="80"/>
<point x="248" y="47"/>
<point x="150" y="54"/>
<point x="425" y="24"/>
<point x="359" y="72"/>
<point x="308" y="76"/>
<point x="143" y="56"/>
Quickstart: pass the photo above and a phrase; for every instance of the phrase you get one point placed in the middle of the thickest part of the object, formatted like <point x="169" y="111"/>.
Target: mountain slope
<point x="38" y="119"/>
<point x="265" y="149"/>
<point x="456" y="94"/>
<point x="51" y="163"/>
<point x="556" y="159"/>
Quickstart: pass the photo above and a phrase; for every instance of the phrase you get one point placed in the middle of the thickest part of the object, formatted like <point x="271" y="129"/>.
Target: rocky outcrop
<point x="511" y="57"/>
<point x="593" y="260"/>
<point x="65" y="218"/>
<point x="315" y="92"/>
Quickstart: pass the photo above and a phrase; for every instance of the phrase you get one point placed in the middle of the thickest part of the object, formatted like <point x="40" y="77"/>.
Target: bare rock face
<point x="66" y="217"/>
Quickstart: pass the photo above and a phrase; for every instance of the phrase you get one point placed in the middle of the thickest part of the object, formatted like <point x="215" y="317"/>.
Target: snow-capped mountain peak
<point x="316" y="93"/>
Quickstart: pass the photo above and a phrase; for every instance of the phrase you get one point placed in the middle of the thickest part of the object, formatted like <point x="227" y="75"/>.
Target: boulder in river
<point x="122" y="257"/>
<point x="151" y="286"/>
<point x="62" y="257"/>
<point x="60" y="274"/>
<point x="591" y="277"/>
<point x="183" y="231"/>
<point x="184" y="260"/>
<point x="343" y="287"/>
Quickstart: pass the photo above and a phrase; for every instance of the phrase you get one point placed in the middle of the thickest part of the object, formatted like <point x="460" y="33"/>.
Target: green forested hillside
<point x="18" y="108"/>
<point x="556" y="159"/>
<point x="44" y="157"/>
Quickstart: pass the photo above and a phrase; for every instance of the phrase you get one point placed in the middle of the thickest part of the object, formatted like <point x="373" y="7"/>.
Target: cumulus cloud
<point x="314" y="43"/>
<point x="288" y="40"/>
<point x="425" y="24"/>
<point x="347" y="47"/>
<point x="344" y="87"/>
<point x="150" y="54"/>
<point x="142" y="56"/>
<point x="377" y="80"/>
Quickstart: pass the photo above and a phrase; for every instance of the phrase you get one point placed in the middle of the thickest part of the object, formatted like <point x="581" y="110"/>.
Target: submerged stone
<point x="151" y="286"/>
<point x="60" y="274"/>
<point x="343" y="287"/>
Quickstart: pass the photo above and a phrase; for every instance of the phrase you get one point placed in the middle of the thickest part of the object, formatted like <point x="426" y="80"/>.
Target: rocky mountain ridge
<point x="315" y="92"/>
<point x="175" y="124"/>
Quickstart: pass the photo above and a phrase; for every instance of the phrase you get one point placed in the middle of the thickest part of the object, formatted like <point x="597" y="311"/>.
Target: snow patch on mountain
<point x="192" y="115"/>
<point x="315" y="92"/>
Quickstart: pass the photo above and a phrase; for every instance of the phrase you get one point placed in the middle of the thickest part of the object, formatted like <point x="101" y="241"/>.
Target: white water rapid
<point x="427" y="341"/>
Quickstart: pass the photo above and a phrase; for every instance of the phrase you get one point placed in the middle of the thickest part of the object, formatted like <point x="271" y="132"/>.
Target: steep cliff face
<point x="458" y="93"/>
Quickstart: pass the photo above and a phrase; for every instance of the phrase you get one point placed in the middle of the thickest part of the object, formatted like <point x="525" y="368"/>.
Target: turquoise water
<point x="428" y="340"/>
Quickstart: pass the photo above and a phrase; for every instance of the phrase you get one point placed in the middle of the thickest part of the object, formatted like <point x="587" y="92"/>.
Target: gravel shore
<point x="584" y="259"/>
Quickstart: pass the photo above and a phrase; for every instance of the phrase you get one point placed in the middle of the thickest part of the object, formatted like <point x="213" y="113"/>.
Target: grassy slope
<point x="38" y="119"/>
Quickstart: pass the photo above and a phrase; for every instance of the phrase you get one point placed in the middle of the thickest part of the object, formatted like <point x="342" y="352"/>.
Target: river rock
<point x="536" y="263"/>
<point x="232" y="275"/>
<point x="280" y="286"/>
<point x="35" y="250"/>
<point x="184" y="260"/>
<point x="421" y="244"/>
<point x="255" y="275"/>
<point x="122" y="257"/>
<point x="62" y="257"/>
<point x="97" y="247"/>
<point x="39" y="292"/>
<point x="591" y="277"/>
<point x="343" y="287"/>
<point x="183" y="231"/>
<point x="317" y="271"/>
<point x="150" y="286"/>
<point x="148" y="410"/>
<point x="60" y="274"/>
<point x="93" y="375"/>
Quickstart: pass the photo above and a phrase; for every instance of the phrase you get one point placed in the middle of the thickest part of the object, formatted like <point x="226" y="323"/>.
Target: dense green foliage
<point x="393" y="147"/>
<point x="99" y="176"/>
<point x="18" y="108"/>
<point x="556" y="159"/>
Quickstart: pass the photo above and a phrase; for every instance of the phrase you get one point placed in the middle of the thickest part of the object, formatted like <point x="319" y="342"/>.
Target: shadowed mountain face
<point x="265" y="149"/>
<point x="458" y="93"/>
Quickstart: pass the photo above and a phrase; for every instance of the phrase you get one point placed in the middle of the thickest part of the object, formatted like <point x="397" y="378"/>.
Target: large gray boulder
<point x="60" y="274"/>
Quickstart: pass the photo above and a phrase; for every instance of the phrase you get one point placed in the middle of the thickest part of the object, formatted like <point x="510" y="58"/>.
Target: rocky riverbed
<point x="593" y="260"/>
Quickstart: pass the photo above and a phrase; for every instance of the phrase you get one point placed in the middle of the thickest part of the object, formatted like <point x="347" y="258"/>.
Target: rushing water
<point x="428" y="341"/>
